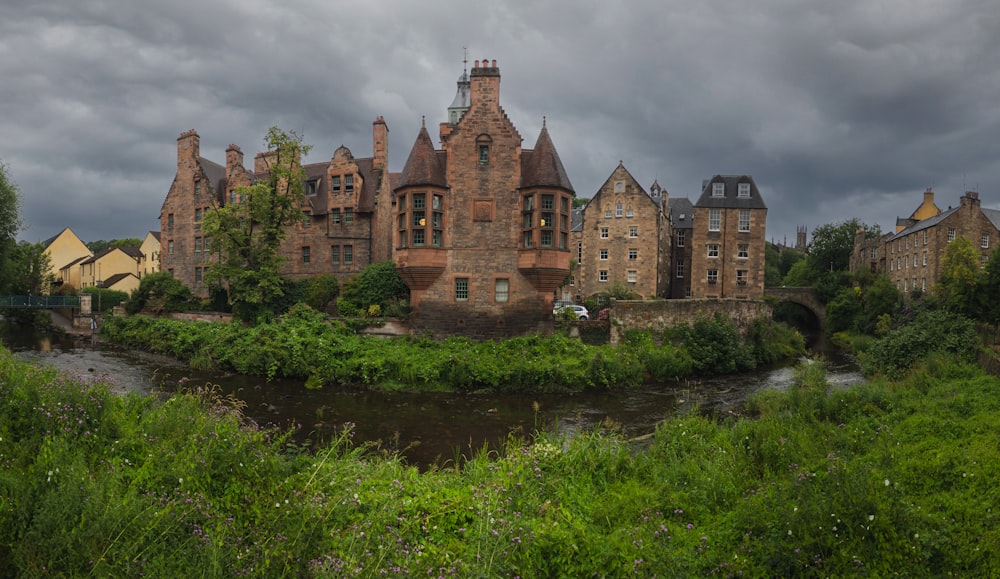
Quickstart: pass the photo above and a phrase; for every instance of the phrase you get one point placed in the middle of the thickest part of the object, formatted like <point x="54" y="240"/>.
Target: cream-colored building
<point x="64" y="250"/>
<point x="109" y="263"/>
<point x="150" y="249"/>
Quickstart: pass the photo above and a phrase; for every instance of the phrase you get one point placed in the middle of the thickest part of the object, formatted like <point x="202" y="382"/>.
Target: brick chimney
<point x="970" y="199"/>
<point x="380" y="143"/>
<point x="234" y="162"/>
<point x="188" y="151"/>
<point x="485" y="88"/>
<point x="929" y="196"/>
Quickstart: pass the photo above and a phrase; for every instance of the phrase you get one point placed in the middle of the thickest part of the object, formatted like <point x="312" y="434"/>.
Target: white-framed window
<point x="714" y="219"/>
<point x="892" y="265"/>
<point x="633" y="231"/>
<point x="603" y="255"/>
<point x="743" y="191"/>
<point x="742" y="277"/>
<point x="631" y="276"/>
<point x="744" y="220"/>
<point x="461" y="289"/>
<point x="718" y="189"/>
<point x="501" y="292"/>
<point x="713" y="276"/>
<point x="602" y="275"/>
<point x="607" y="213"/>
<point x="951" y="234"/>
<point x="984" y="241"/>
<point x="925" y="237"/>
<point x="680" y="238"/>
<point x="604" y="233"/>
<point x="713" y="250"/>
<point x="983" y="259"/>
<point x="618" y="210"/>
<point x="679" y="268"/>
<point x="925" y="259"/>
<point x="874" y="253"/>
<point x="629" y="212"/>
<point x="914" y="260"/>
<point x="743" y="251"/>
<point x="633" y="254"/>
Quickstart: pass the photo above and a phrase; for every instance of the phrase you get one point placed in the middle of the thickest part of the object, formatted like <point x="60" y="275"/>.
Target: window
<point x="743" y="191"/>
<point x="335" y="254"/>
<point x="633" y="231"/>
<point x="925" y="259"/>
<point x="306" y="254"/>
<point x="619" y="186"/>
<point x="604" y="255"/>
<point x="461" y="289"/>
<point x="335" y="216"/>
<point x="680" y="238"/>
<point x="502" y="290"/>
<point x="602" y="275"/>
<point x="633" y="254"/>
<point x="741" y="277"/>
<point x="983" y="259"/>
<point x="348" y="183"/>
<point x="312" y="186"/>
<point x="197" y="188"/>
<point x="914" y="260"/>
<point x="679" y="270"/>
<point x="604" y="233"/>
<point x="743" y="251"/>
<point x="607" y="213"/>
<point x="335" y="184"/>
<point x="484" y="154"/>
<point x="744" y="220"/>
<point x="925" y="237"/>
<point x="714" y="219"/>
<point x="923" y="283"/>
<point x="579" y="252"/>
<point x="170" y="247"/>
<point x="874" y="253"/>
<point x="718" y="189"/>
<point x="170" y="222"/>
<point x="197" y="275"/>
<point x="197" y="214"/>
<point x="197" y="245"/>
<point x="232" y="196"/>
<point x="306" y="219"/>
<point x="348" y="254"/>
<point x="951" y="234"/>
<point x="713" y="250"/>
<point x="629" y="213"/>
<point x="548" y="203"/>
<point x="631" y="276"/>
<point x="713" y="276"/>
<point x="618" y="210"/>
<point x="984" y="241"/>
<point x="348" y="214"/>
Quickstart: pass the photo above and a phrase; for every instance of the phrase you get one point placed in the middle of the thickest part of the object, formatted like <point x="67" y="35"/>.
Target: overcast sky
<point x="837" y="109"/>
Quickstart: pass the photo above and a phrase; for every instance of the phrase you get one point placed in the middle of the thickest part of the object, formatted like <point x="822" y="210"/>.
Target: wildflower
<point x="886" y="482"/>
<point x="871" y="517"/>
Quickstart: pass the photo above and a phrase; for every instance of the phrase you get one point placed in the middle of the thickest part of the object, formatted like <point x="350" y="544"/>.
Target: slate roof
<point x="730" y="199"/>
<point x="541" y="166"/>
<point x="576" y="219"/>
<point x="74" y="262"/>
<point x="921" y="225"/>
<point x="111" y="281"/>
<point x="681" y="213"/>
<point x="424" y="166"/>
<point x="130" y="251"/>
<point x="216" y="174"/>
<point x="993" y="215"/>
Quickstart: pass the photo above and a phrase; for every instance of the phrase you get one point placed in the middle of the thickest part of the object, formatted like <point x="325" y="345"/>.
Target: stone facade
<point x="727" y="240"/>
<point x="345" y="222"/>
<point x="662" y="314"/>
<point x="624" y="239"/>
<point x="482" y="226"/>
<point x="682" y="227"/>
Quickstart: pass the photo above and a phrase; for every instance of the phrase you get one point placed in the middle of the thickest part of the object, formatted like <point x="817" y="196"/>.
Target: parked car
<point x="581" y="312"/>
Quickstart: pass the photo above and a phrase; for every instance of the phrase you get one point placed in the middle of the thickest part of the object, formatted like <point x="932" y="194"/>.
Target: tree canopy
<point x="10" y="225"/>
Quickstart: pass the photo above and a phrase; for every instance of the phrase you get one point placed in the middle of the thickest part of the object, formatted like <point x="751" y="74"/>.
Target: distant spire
<point x="462" y="95"/>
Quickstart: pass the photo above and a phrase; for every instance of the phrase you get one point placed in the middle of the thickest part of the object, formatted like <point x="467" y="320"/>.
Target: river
<point x="426" y="428"/>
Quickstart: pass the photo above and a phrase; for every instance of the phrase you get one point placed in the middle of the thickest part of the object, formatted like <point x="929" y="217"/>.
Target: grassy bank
<point x="304" y="345"/>
<point x="891" y="478"/>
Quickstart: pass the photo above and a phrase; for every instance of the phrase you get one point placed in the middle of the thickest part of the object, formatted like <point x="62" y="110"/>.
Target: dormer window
<point x="718" y="189"/>
<point x="335" y="184"/>
<point x="312" y="186"/>
<point x="744" y="191"/>
<point x="348" y="183"/>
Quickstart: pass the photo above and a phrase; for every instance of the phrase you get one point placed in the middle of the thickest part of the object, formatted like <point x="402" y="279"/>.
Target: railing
<point x="40" y="302"/>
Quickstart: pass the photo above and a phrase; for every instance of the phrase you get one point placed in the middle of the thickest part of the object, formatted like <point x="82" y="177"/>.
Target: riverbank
<point x="883" y="479"/>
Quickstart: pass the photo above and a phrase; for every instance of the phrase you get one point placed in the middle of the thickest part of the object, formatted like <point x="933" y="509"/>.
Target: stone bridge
<point x="803" y="296"/>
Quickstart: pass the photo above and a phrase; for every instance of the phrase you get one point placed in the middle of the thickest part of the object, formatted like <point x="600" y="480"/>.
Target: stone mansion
<point x="483" y="230"/>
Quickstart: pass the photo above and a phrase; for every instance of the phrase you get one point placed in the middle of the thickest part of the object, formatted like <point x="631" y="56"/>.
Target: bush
<point x="105" y="299"/>
<point x="160" y="292"/>
<point x="930" y="331"/>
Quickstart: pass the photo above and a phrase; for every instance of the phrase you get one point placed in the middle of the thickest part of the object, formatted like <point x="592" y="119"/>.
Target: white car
<point x="581" y="312"/>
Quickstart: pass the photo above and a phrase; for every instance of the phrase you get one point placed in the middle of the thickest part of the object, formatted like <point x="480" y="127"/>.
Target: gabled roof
<point x="129" y="251"/>
<point x="75" y="262"/>
<point x="216" y="175"/>
<point x="49" y="241"/>
<point x="541" y="166"/>
<point x="924" y="224"/>
<point x="423" y="166"/>
<point x="730" y="199"/>
<point x="681" y="213"/>
<point x="111" y="281"/>
<point x="993" y="215"/>
<point x="576" y="219"/>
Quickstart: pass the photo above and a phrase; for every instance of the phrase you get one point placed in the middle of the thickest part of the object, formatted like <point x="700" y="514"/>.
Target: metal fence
<point x="41" y="302"/>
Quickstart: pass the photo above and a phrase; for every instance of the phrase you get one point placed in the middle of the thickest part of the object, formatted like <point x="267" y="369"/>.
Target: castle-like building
<point x="481" y="229"/>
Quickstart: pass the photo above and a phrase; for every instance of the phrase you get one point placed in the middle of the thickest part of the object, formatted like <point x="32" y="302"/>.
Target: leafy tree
<point x="988" y="306"/>
<point x="832" y="244"/>
<point x="320" y="290"/>
<point x="247" y="235"/>
<point x="842" y="310"/>
<point x="956" y="288"/>
<point x="10" y="225"/>
<point x="160" y="292"/>
<point x="105" y="299"/>
<point x="880" y="298"/>
<point x="100" y="245"/>
<point x="379" y="284"/>
<point x="31" y="269"/>
<point x="930" y="331"/>
<point x="772" y="265"/>
<point x="580" y="201"/>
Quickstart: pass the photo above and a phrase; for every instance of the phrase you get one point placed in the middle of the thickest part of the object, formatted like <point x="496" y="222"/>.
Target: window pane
<point x="461" y="289"/>
<point x="502" y="290"/>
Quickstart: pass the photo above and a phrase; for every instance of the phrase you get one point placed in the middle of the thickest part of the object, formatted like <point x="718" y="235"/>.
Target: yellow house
<point x="150" y="249"/>
<point x="109" y="263"/>
<point x="123" y="282"/>
<point x="65" y="249"/>
<point x="69" y="274"/>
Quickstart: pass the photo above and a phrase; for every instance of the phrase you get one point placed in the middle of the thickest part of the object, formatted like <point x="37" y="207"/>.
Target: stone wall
<point x="661" y="314"/>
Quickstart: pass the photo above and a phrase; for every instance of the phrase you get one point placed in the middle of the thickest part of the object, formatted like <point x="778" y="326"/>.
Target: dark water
<point x="427" y="428"/>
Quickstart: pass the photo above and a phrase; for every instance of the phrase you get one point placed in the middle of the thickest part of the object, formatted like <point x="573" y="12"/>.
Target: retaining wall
<point x="661" y="314"/>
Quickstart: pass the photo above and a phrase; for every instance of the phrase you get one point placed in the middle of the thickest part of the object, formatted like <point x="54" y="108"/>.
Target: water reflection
<point x="427" y="428"/>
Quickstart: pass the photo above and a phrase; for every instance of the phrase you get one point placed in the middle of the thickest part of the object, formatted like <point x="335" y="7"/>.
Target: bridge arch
<point x="803" y="296"/>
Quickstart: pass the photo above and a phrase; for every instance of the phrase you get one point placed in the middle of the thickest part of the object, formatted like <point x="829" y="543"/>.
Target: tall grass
<point x="888" y="478"/>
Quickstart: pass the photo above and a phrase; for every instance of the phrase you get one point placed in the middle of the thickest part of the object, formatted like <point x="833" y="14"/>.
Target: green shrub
<point x="930" y="331"/>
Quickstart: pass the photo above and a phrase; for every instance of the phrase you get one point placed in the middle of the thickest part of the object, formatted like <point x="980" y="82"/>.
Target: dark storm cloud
<point x="838" y="109"/>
